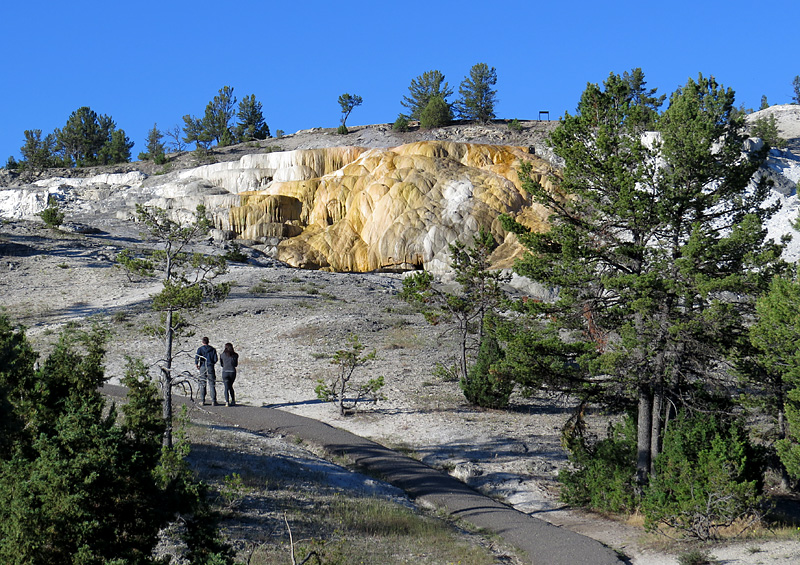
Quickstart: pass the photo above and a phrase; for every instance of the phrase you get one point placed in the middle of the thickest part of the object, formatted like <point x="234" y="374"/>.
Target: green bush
<point x="696" y="557"/>
<point x="603" y="473"/>
<point x="342" y="130"/>
<point x="789" y="447"/>
<point x="234" y="254"/>
<point x="485" y="385"/>
<point x="514" y="125"/>
<point x="52" y="215"/>
<point x="707" y="477"/>
<point x="767" y="129"/>
<point x="436" y="114"/>
<point x="401" y="123"/>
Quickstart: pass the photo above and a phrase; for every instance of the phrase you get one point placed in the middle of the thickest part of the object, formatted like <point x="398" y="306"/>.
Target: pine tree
<point x="478" y="100"/>
<point x="215" y="125"/>
<point x="436" y="114"/>
<point x="80" y="482"/>
<point x="347" y="102"/>
<point x="38" y="152"/>
<point x="251" y="124"/>
<point x="645" y="102"/>
<point x="647" y="244"/>
<point x="155" y="147"/>
<point x="90" y="139"/>
<point x="422" y="90"/>
<point x="187" y="284"/>
<point x="471" y="311"/>
<point x="773" y="367"/>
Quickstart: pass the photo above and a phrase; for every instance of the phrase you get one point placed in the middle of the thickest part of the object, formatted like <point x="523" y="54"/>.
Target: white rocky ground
<point x="287" y="323"/>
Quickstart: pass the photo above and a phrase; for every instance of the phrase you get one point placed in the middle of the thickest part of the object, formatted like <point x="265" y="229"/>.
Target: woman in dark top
<point x="229" y="359"/>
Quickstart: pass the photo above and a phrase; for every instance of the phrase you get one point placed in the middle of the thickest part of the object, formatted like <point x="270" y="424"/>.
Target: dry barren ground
<point x="286" y="324"/>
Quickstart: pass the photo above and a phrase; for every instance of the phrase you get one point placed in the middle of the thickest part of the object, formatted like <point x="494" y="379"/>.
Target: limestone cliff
<point x="340" y="208"/>
<point x="396" y="208"/>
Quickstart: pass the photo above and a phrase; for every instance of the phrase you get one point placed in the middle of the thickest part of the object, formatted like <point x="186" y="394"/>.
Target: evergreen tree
<point x="80" y="482"/>
<point x="251" y="124"/>
<point x="215" y="125"/>
<point x="707" y="479"/>
<point x="773" y="367"/>
<point x="38" y="152"/>
<point x="347" y="102"/>
<point x="645" y="102"/>
<point x="472" y="311"/>
<point x="424" y="88"/>
<point x="796" y="87"/>
<point x="116" y="150"/>
<point x="647" y="244"/>
<point x="194" y="132"/>
<point x="187" y="284"/>
<point x="478" y="100"/>
<point x="88" y="139"/>
<point x="155" y="147"/>
<point x="218" y="117"/>
<point x="436" y="114"/>
<point x="766" y="128"/>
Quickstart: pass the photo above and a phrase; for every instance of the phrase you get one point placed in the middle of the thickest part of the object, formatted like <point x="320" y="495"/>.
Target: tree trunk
<point x="643" y="433"/>
<point x="166" y="373"/>
<point x="463" y="359"/>
<point x="786" y="482"/>
<point x="655" y="428"/>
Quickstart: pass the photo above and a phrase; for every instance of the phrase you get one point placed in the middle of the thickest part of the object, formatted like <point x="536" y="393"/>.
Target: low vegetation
<point x="343" y="388"/>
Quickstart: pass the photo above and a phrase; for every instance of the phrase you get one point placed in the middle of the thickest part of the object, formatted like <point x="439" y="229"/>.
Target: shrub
<point x="514" y="125"/>
<point x="485" y="385"/>
<point x="401" y="123"/>
<point x="696" y="557"/>
<point x="436" y="114"/>
<point x="603" y="473"/>
<point x="342" y="389"/>
<point x="767" y="129"/>
<point x="52" y="215"/>
<point x="234" y="254"/>
<point x="707" y="477"/>
<point x="342" y="130"/>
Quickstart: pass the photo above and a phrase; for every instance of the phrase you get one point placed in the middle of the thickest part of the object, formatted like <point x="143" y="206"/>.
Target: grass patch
<point x="258" y="288"/>
<point x="343" y="529"/>
<point x="270" y="490"/>
<point x="403" y="338"/>
<point x="307" y="334"/>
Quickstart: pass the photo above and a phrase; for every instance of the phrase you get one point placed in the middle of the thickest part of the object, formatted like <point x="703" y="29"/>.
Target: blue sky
<point x="151" y="62"/>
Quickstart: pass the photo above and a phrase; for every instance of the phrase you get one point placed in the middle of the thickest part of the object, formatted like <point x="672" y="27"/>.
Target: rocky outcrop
<point x="397" y="208"/>
<point x="346" y="208"/>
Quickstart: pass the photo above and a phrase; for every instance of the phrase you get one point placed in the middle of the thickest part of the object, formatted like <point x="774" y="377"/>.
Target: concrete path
<point x="541" y="541"/>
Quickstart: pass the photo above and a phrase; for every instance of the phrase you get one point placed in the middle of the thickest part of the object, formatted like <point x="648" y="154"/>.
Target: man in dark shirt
<point x="205" y="359"/>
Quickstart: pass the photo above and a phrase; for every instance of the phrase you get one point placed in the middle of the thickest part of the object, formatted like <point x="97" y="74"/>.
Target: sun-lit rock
<point x="396" y="208"/>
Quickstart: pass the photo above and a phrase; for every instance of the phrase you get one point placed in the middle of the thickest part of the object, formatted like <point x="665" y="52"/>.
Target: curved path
<point x="541" y="541"/>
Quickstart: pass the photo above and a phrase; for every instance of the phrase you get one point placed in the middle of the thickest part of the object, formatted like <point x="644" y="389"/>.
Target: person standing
<point x="204" y="360"/>
<point x="229" y="360"/>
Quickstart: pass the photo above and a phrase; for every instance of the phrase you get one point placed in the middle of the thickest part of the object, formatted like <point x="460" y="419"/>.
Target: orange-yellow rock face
<point x="397" y="208"/>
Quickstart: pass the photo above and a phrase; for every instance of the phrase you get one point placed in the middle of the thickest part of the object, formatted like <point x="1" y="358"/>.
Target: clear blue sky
<point x="149" y="62"/>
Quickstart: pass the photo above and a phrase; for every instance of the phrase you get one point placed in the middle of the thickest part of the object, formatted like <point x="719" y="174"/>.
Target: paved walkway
<point x="541" y="541"/>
